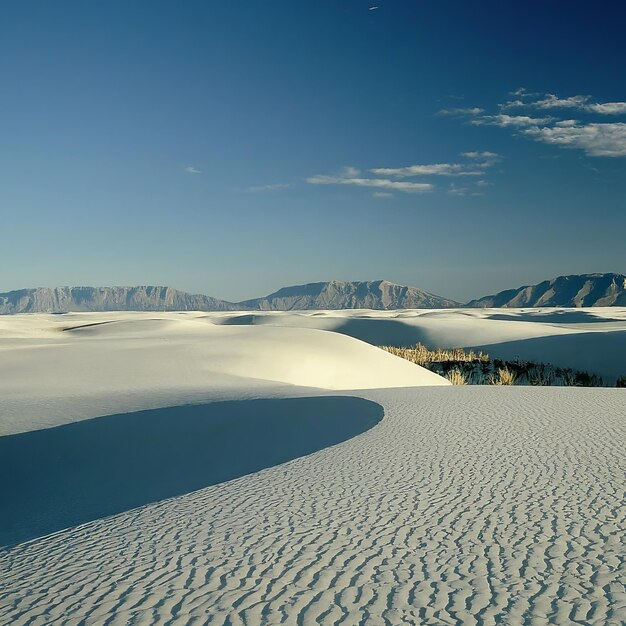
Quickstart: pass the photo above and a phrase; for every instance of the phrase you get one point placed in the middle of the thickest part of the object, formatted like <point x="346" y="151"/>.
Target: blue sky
<point x="233" y="147"/>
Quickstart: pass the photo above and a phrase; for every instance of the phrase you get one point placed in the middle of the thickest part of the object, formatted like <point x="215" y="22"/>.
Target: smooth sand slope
<point x="463" y="506"/>
<point x="56" y="369"/>
<point x="592" y="339"/>
<point x="475" y="505"/>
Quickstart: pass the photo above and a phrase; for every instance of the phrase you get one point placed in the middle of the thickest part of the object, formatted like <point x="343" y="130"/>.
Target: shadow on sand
<point x="60" y="477"/>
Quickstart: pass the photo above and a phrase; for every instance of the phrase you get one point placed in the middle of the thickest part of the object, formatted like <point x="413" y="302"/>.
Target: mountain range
<point x="565" y="291"/>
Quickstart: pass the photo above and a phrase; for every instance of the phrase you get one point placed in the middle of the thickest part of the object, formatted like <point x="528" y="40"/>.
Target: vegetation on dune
<point x="463" y="367"/>
<point x="456" y="377"/>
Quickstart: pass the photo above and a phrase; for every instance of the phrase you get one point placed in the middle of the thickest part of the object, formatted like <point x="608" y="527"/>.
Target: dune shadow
<point x="558" y="316"/>
<point x="64" y="476"/>
<point x="599" y="353"/>
<point x="382" y="332"/>
<point x="240" y="320"/>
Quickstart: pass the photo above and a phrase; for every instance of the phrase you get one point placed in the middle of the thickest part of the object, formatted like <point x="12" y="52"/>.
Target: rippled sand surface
<point x="463" y="506"/>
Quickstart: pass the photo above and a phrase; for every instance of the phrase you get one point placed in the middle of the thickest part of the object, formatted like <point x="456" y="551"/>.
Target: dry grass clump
<point x="456" y="377"/>
<point x="476" y="368"/>
<point x="504" y="376"/>
<point x="421" y="355"/>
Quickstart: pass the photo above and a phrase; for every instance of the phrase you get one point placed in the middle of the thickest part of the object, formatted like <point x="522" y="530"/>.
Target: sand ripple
<point x="463" y="506"/>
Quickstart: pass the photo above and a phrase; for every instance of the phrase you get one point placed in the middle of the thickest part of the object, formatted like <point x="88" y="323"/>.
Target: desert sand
<point x="475" y="505"/>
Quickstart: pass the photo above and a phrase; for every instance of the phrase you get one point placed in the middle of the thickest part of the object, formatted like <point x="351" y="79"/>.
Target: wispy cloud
<point x="376" y="183"/>
<point x="434" y="169"/>
<point x="550" y="101"/>
<point x="504" y="120"/>
<point x="350" y="172"/>
<point x="478" y="162"/>
<point x="597" y="140"/>
<point x="481" y="155"/>
<point x="608" y="108"/>
<point x="384" y="180"/>
<point x="461" y="111"/>
<point x="192" y="170"/>
<point x="455" y="190"/>
<point x="271" y="187"/>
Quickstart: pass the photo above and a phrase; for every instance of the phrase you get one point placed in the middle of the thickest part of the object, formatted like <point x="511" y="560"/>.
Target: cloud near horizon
<point x="270" y="187"/>
<point x="376" y="183"/>
<point x="461" y="111"/>
<point x="477" y="163"/>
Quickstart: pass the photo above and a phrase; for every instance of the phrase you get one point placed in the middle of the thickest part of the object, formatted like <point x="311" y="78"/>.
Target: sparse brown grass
<point x="456" y="377"/>
<point x="476" y="368"/>
<point x="504" y="376"/>
<point x="421" y="355"/>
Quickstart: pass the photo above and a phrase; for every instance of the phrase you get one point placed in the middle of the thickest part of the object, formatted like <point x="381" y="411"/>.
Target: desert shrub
<point x="540" y="374"/>
<point x="456" y="377"/>
<point x="476" y="368"/>
<point x="504" y="376"/>
<point x="421" y="355"/>
<point x="621" y="381"/>
<point x="585" y="379"/>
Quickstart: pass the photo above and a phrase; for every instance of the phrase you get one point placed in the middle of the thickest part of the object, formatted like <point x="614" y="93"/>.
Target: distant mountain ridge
<point x="144" y="298"/>
<point x="577" y="290"/>
<point x="336" y="294"/>
<point x="565" y="291"/>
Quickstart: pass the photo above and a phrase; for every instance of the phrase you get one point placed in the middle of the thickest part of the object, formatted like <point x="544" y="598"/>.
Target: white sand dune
<point x="474" y="505"/>
<point x="463" y="506"/>
<point x="576" y="338"/>
<point x="60" y="477"/>
<point x="55" y="369"/>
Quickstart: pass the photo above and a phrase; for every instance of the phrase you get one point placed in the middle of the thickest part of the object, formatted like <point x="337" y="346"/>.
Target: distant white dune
<point x="55" y="369"/>
<point x="592" y="339"/>
<point x="463" y="505"/>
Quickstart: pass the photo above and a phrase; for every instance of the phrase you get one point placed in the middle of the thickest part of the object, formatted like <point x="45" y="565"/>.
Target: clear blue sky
<point x="234" y="147"/>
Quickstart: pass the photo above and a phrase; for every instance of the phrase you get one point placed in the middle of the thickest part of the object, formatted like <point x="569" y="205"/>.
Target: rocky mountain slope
<point x="335" y="294"/>
<point x="581" y="290"/>
<point x="565" y="291"/>
<point x="62" y="299"/>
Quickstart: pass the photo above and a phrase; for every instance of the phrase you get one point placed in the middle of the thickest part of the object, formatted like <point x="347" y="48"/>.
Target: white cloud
<point x="595" y="139"/>
<point x="350" y="172"/>
<point x="608" y="108"/>
<point x="461" y="111"/>
<point x="480" y="155"/>
<point x="192" y="170"/>
<point x="377" y="183"/>
<point x="382" y="194"/>
<point x="550" y="101"/>
<point x="524" y="93"/>
<point x="474" y="168"/>
<point x="272" y="187"/>
<point x="512" y="104"/>
<point x="434" y="169"/>
<point x="504" y="120"/>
